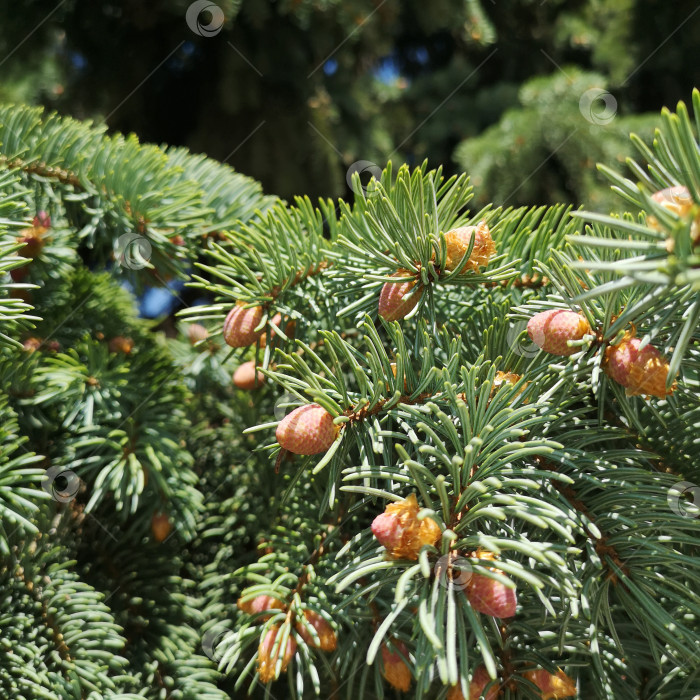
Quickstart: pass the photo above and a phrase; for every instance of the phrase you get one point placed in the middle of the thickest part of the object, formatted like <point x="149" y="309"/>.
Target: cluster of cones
<point x="403" y="534"/>
<point x="312" y="628"/>
<point x="240" y="331"/>
<point x="642" y="370"/>
<point x="398" y="299"/>
<point x="552" y="686"/>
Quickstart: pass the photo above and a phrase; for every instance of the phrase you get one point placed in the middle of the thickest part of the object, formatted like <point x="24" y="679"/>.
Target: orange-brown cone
<point x="268" y="655"/>
<point x="33" y="241"/>
<point x="32" y="344"/>
<point x="396" y="672"/>
<point x="120" y="344"/>
<point x="160" y="527"/>
<point x="401" y="533"/>
<point x="640" y="371"/>
<point x="457" y="243"/>
<point x="326" y="636"/>
<point x="553" y="687"/>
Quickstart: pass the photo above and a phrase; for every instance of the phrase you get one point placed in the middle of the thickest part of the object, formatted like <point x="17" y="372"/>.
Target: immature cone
<point x="676" y="199"/>
<point x="160" y="527"/>
<point x="32" y="344"/>
<point x="268" y="655"/>
<point x="24" y="294"/>
<point x="240" y="324"/>
<point x="396" y="300"/>
<point x="491" y="597"/>
<point x="679" y="201"/>
<point x="41" y="220"/>
<point x="121" y="344"/>
<point x="509" y="378"/>
<point x="307" y="430"/>
<point x="553" y="687"/>
<point x="32" y="240"/>
<point x="401" y="533"/>
<point x="260" y="604"/>
<point x="457" y="243"/>
<point x="550" y="330"/>
<point x="18" y="274"/>
<point x="327" y="640"/>
<point x="639" y="371"/>
<point x="247" y="377"/>
<point x="455" y="693"/>
<point x="196" y="332"/>
<point x="479" y="681"/>
<point x="277" y="320"/>
<point x="396" y="672"/>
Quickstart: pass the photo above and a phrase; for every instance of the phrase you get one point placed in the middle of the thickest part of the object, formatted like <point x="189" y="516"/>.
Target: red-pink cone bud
<point x="398" y="299"/>
<point x="479" y="681"/>
<point x="276" y="320"/>
<point x="550" y="330"/>
<point x="240" y="324"/>
<point x="260" y="604"/>
<point x="247" y="377"/>
<point x="491" y="597"/>
<point x="18" y="274"/>
<point x="307" y="430"/>
<point x="196" y="332"/>
<point x="41" y="220"/>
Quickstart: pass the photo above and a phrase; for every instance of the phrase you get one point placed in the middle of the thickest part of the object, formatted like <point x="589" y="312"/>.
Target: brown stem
<point x="64" y="176"/>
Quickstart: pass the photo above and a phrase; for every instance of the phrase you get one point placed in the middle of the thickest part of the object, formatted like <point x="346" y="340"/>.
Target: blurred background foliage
<point x="292" y="92"/>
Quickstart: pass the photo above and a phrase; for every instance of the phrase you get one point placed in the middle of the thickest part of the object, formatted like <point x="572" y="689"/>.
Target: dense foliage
<point x="159" y="536"/>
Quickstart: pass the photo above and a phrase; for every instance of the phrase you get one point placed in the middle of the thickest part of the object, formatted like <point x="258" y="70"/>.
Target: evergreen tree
<point x="462" y="461"/>
<point x="293" y="92"/>
<point x="545" y="150"/>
